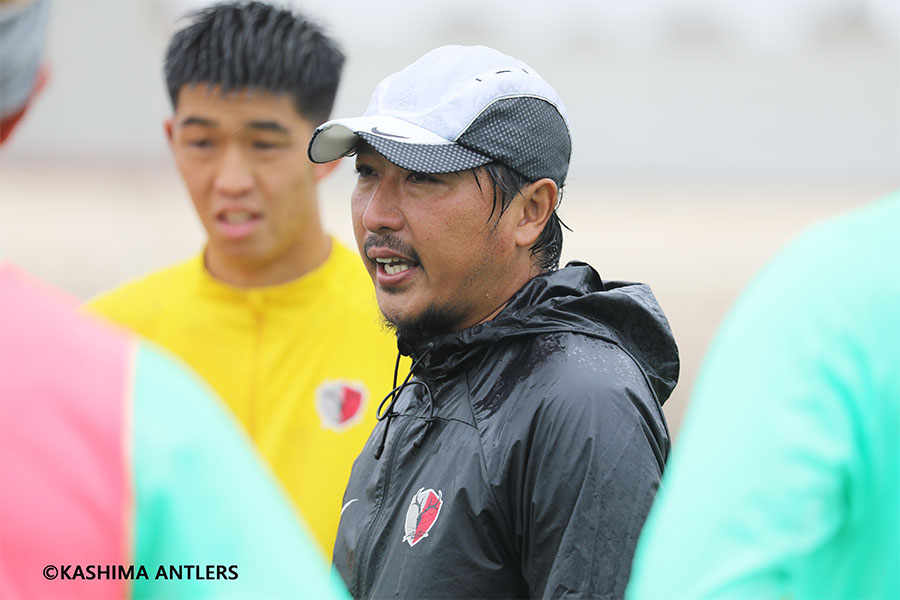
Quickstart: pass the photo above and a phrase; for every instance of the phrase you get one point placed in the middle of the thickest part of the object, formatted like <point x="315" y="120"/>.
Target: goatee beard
<point x="433" y="321"/>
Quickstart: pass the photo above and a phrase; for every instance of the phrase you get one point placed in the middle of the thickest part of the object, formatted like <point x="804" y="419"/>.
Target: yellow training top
<point x="302" y="365"/>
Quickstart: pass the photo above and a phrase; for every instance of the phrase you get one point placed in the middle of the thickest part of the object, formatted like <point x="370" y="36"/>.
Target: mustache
<point x="391" y="243"/>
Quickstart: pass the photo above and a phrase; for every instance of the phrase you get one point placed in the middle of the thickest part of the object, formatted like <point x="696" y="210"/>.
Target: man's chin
<point x="388" y="290"/>
<point x="422" y="325"/>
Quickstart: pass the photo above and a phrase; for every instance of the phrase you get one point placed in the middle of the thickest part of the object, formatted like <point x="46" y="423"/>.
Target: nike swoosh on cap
<point x="393" y="135"/>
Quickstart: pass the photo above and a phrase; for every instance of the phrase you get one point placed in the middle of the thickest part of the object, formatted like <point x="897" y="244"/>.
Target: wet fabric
<point x="541" y="443"/>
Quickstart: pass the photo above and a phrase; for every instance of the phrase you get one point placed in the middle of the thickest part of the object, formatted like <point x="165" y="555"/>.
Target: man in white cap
<point x="520" y="455"/>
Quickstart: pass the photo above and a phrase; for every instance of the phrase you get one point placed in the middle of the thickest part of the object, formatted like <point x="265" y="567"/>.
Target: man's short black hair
<point x="506" y="183"/>
<point x="255" y="46"/>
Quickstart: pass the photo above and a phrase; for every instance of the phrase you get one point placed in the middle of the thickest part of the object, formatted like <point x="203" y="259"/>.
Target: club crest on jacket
<point x="340" y="404"/>
<point x="422" y="513"/>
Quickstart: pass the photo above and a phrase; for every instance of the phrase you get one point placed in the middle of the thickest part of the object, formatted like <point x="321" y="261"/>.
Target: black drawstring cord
<point x="421" y="437"/>
<point x="394" y="394"/>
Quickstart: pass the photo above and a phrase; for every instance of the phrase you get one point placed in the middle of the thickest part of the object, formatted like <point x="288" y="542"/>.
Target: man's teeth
<point x="237" y="217"/>
<point x="392" y="266"/>
<point x="394" y="269"/>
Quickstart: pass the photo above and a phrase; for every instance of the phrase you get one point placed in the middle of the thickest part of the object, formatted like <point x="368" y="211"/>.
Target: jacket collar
<point x="573" y="299"/>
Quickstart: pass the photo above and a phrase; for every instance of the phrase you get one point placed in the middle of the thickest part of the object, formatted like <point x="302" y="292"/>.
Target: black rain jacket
<point x="522" y="458"/>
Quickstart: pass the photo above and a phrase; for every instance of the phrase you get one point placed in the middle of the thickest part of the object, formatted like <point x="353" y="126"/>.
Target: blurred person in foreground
<point x="278" y="316"/>
<point x="784" y="482"/>
<point x="103" y="494"/>
<point x="23" y="33"/>
<point x="520" y="455"/>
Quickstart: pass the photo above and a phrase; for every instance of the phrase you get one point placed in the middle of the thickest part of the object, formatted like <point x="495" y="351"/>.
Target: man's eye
<point x="422" y="178"/>
<point x="200" y="143"/>
<point x="364" y="171"/>
<point x="261" y="145"/>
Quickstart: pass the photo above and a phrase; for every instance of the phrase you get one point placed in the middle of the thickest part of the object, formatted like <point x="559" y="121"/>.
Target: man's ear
<point x="323" y="170"/>
<point x="167" y="124"/>
<point x="538" y="203"/>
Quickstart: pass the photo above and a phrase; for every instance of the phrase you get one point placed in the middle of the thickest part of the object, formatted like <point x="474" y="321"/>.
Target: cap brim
<point x="406" y="145"/>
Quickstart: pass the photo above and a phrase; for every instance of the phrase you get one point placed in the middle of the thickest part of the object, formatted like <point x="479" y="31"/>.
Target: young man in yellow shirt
<point x="275" y="314"/>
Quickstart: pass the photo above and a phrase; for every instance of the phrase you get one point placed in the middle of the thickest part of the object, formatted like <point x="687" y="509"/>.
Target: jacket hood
<point x="570" y="300"/>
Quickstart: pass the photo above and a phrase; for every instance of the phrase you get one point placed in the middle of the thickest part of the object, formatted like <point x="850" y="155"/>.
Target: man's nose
<point x="383" y="211"/>
<point x="234" y="177"/>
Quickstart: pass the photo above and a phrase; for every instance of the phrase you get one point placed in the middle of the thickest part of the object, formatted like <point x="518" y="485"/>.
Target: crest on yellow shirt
<point x="340" y="403"/>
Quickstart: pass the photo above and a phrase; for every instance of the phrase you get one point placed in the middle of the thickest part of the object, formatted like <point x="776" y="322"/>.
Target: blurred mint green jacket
<point x="784" y="481"/>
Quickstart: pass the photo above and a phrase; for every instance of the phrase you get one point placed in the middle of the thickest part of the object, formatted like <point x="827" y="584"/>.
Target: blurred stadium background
<point x="707" y="133"/>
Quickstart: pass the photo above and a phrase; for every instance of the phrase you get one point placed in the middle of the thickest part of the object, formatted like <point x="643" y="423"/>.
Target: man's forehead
<point x="216" y="90"/>
<point x="204" y="104"/>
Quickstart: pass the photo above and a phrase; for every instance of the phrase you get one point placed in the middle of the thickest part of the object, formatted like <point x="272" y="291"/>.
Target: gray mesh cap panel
<point x="425" y="158"/>
<point x="526" y="134"/>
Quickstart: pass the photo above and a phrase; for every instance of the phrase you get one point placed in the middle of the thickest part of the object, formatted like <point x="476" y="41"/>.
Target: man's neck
<point x="515" y="284"/>
<point x="289" y="266"/>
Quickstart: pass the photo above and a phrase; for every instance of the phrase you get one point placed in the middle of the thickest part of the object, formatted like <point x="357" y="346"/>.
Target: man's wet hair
<point x="506" y="183"/>
<point x="255" y="46"/>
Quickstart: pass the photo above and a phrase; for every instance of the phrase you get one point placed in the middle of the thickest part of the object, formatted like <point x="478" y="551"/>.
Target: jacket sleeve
<point x="591" y="464"/>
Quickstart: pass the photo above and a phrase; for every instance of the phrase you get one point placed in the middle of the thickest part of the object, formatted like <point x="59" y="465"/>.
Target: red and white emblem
<point x="340" y="404"/>
<point x="423" y="512"/>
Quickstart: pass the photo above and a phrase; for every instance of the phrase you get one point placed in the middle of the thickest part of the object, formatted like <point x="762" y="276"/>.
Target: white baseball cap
<point x="458" y="108"/>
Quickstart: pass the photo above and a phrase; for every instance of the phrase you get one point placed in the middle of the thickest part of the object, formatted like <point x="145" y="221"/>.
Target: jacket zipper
<point x="369" y="533"/>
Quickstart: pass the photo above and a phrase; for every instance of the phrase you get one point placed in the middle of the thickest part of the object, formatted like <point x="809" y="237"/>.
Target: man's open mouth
<point x="237" y="217"/>
<point x="393" y="265"/>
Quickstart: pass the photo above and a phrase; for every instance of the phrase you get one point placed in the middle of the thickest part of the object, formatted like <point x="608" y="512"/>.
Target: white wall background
<point x="797" y="89"/>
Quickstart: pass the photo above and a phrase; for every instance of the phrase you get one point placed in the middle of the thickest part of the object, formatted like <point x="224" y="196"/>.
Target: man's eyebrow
<point x="198" y="121"/>
<point x="274" y="126"/>
<point x="268" y="126"/>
